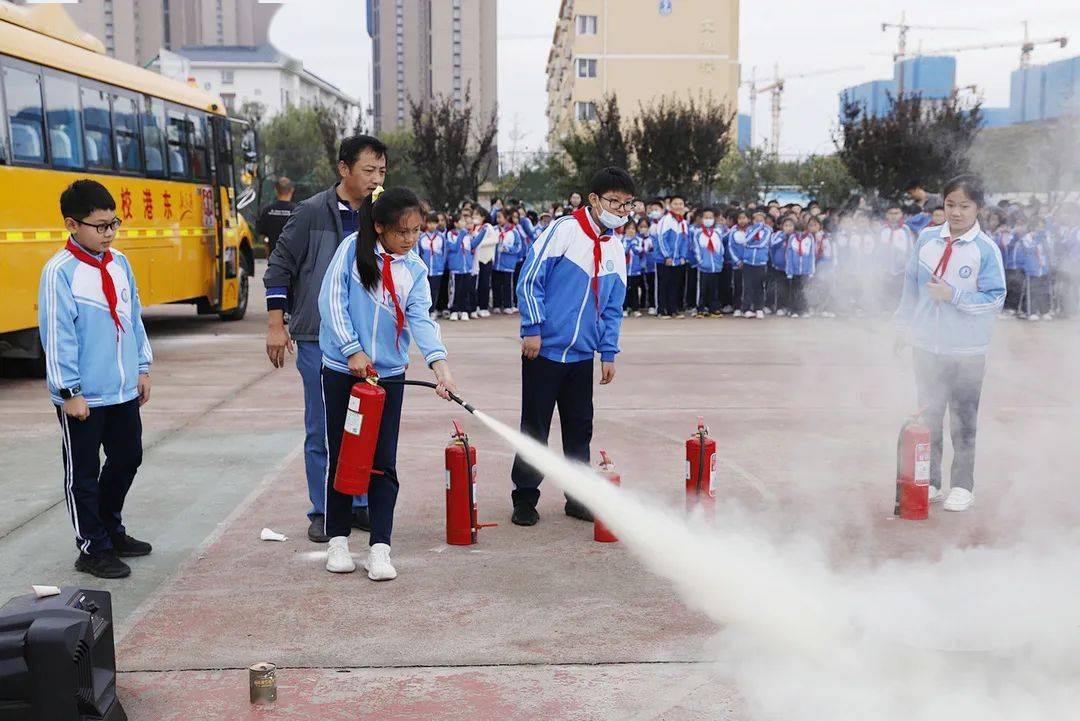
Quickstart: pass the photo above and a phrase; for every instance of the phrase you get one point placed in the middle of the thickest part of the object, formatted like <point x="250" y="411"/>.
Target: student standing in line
<point x="754" y="260"/>
<point x="507" y="254"/>
<point x="710" y="249"/>
<point x="432" y="248"/>
<point x="672" y="234"/>
<point x="459" y="260"/>
<point x="781" y="284"/>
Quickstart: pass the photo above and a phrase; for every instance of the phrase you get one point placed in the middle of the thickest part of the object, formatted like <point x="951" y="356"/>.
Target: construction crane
<point x="776" y="87"/>
<point x="1027" y="47"/>
<point x="901" y="40"/>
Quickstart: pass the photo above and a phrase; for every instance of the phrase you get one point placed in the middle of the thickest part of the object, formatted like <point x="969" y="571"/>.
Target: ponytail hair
<point x="387" y="210"/>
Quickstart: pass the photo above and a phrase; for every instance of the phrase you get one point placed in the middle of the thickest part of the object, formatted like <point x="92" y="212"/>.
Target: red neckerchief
<point x="819" y="248"/>
<point x="800" y="239"/>
<point x="431" y="241"/>
<point x="586" y="225"/>
<point x="943" y="263"/>
<point x="504" y="231"/>
<point x="708" y="234"/>
<point x="388" y="287"/>
<point x="107" y="285"/>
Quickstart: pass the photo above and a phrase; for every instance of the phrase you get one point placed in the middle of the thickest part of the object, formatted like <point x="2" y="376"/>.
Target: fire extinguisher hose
<point x="428" y="384"/>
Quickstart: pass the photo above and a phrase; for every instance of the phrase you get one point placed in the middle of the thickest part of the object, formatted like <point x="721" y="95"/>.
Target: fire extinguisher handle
<point x="487" y="525"/>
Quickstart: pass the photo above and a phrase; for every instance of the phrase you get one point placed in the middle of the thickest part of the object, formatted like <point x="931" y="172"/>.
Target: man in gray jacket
<point x="293" y="278"/>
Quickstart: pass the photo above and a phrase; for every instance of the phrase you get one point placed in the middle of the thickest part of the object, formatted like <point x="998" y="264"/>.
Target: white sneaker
<point x="781" y="313"/>
<point x="726" y="309"/>
<point x="453" y="316"/>
<point x="338" y="559"/>
<point x="760" y="314"/>
<point x="433" y="315"/>
<point x="794" y="315"/>
<point x="496" y="311"/>
<point x="378" y="564"/>
<point x="1034" y="316"/>
<point x="652" y="311"/>
<point x="483" y="314"/>
<point x="626" y="314"/>
<point x="768" y="311"/>
<point x="960" y="499"/>
<point x="637" y="313"/>
<point x="1048" y="316"/>
<point x="746" y="314"/>
<point x="935" y="494"/>
<point x="511" y="311"/>
<point x="466" y="316"/>
<point x="808" y="314"/>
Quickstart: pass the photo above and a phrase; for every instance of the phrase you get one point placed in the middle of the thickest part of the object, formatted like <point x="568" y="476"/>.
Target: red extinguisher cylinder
<point x="359" y="438"/>
<point x="700" y="467"/>
<point x="601" y="533"/>
<point x="913" y="472"/>
<point x="462" y="521"/>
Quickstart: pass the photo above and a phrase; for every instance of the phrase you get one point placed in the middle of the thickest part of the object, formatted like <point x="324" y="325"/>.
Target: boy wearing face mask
<point x="652" y="259"/>
<point x="710" y="250"/>
<point x="571" y="295"/>
<point x="673" y="238"/>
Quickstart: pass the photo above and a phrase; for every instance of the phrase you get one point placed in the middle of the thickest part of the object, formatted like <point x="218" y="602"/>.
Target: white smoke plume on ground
<point x="975" y="633"/>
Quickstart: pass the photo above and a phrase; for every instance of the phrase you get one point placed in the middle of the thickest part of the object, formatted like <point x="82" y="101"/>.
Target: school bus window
<point x="197" y="124"/>
<point x="22" y="96"/>
<point x="153" y="126"/>
<point x="126" y="125"/>
<point x="62" y="114"/>
<point x="97" y="128"/>
<point x="178" y="145"/>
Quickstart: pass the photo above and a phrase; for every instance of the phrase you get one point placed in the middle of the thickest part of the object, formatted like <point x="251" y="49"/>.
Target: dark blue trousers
<point x="383" y="491"/>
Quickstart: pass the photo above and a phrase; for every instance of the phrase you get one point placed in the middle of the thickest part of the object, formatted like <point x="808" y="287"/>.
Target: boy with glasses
<point x="98" y="372"/>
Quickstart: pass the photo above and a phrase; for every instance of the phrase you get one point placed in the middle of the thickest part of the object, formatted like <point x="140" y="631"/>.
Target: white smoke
<point x="977" y="633"/>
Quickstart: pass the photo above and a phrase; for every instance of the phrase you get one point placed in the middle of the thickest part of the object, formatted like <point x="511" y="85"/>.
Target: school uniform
<point x="951" y="338"/>
<point x="799" y="265"/>
<point x="690" y="275"/>
<point x="485" y="241"/>
<point x="507" y="254"/>
<point x="1012" y="252"/>
<point x="824" y="280"/>
<point x="656" y="262"/>
<point x="752" y="250"/>
<point x="649" y="275"/>
<point x="459" y="260"/>
<point x="730" y="297"/>
<point x="777" y="289"/>
<point x="381" y="322"/>
<point x="891" y="256"/>
<point x="1037" y="263"/>
<point x="528" y="233"/>
<point x="709" y="243"/>
<point x="571" y="292"/>
<point x="634" y="251"/>
<point x="432" y="250"/>
<point x="90" y="323"/>
<point x="671" y="265"/>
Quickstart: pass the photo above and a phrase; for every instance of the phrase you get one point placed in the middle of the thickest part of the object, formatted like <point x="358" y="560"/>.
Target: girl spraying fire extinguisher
<point x="374" y="301"/>
<point x="954" y="288"/>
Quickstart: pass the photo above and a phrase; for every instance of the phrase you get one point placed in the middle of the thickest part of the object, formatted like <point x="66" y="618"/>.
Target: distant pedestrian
<point x="273" y="217"/>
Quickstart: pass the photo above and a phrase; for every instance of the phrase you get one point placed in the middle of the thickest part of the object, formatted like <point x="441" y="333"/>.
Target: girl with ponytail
<point x="374" y="301"/>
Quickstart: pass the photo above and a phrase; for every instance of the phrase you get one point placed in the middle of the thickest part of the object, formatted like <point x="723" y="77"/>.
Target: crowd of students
<point x="749" y="262"/>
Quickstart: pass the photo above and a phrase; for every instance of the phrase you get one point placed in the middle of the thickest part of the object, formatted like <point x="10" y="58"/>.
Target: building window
<point x="586" y="68"/>
<point x="230" y="101"/>
<point x="586" y="25"/>
<point x="226" y="77"/>
<point x="585" y="111"/>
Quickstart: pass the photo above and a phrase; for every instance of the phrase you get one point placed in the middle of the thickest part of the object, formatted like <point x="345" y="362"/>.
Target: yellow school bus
<point x="161" y="147"/>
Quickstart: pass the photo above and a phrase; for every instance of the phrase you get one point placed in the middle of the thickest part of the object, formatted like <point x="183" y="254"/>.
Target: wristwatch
<point x="69" y="393"/>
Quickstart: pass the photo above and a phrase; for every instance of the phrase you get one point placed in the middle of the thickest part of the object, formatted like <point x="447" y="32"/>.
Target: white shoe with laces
<point x="1034" y="317"/>
<point x="453" y="316"/>
<point x="378" y="564"/>
<point x="338" y="558"/>
<point x="936" y="494"/>
<point x="484" y="314"/>
<point x="760" y="314"/>
<point x="960" y="499"/>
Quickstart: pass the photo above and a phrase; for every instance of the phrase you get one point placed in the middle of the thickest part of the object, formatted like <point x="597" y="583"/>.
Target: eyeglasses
<point x="113" y="225"/>
<point x="616" y="205"/>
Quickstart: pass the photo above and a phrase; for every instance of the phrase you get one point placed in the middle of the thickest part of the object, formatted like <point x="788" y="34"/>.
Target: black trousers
<point x="500" y="287"/>
<point x="514" y="282"/>
<point x="435" y="283"/>
<point x="635" y="292"/>
<point x="690" y="288"/>
<point x="546" y="384"/>
<point x="710" y="292"/>
<point x="650" y="289"/>
<point x="798" y="293"/>
<point x="442" y="301"/>
<point x="777" y="293"/>
<point x="1038" y="295"/>
<point x="383" y="491"/>
<point x="464" y="288"/>
<point x="955" y="383"/>
<point x="663" y="289"/>
<point x="727" y="288"/>
<point x="95" y="494"/>
<point x="753" y="287"/>
<point x="483" y="287"/>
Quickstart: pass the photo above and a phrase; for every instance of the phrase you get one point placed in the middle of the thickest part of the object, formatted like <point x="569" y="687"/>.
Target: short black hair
<point x="971" y="185"/>
<point x="655" y="201"/>
<point x="83" y="197"/>
<point x="351" y="147"/>
<point x="673" y="196"/>
<point x="893" y="204"/>
<point x="912" y="184"/>
<point x="612" y="178"/>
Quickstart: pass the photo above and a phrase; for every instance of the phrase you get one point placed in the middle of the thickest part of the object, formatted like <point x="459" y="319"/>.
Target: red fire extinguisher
<point x="362" y="420"/>
<point x="700" y="467"/>
<point x="461" y="515"/>
<point x="607" y="470"/>
<point x="913" y="471"/>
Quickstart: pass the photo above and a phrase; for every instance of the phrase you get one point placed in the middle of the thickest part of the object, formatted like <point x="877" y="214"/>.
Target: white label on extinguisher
<point x="922" y="464"/>
<point x="448" y="479"/>
<point x="712" y="476"/>
<point x="352" y="422"/>
<point x="354" y="403"/>
<point x="688" y="469"/>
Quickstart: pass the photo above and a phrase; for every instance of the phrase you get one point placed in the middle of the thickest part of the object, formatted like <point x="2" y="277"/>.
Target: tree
<point x="293" y="144"/>
<point x="400" y="169"/>
<point x="538" y="181"/>
<point x="451" y="149"/>
<point x="592" y="146"/>
<point x="826" y="179"/>
<point x="331" y="130"/>
<point x="916" y="138"/>
<point x="680" y="145"/>
<point x="746" y="175"/>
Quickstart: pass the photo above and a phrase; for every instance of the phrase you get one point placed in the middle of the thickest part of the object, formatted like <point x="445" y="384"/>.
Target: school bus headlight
<point x="230" y="262"/>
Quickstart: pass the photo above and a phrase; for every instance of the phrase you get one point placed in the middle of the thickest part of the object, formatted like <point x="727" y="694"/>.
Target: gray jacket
<point x="301" y="257"/>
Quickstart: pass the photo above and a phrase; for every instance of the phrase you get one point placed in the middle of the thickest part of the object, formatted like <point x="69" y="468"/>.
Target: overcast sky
<point x="330" y="37"/>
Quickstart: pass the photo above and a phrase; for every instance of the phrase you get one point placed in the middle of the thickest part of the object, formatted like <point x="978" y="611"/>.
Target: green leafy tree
<point x="538" y="182"/>
<point x="826" y="179"/>
<point x="401" y="170"/>
<point x="746" y="175"/>
<point x="293" y="144"/>
<point x="916" y="138"/>
<point x="591" y="146"/>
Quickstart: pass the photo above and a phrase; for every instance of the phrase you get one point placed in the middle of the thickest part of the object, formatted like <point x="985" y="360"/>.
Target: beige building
<point x="639" y="51"/>
<point x="135" y="30"/>
<point x="424" y="48"/>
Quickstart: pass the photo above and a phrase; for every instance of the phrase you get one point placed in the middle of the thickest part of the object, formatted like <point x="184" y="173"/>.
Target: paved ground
<point x="535" y="623"/>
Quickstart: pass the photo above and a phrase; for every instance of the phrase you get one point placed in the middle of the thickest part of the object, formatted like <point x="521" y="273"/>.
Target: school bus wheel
<point x="240" y="310"/>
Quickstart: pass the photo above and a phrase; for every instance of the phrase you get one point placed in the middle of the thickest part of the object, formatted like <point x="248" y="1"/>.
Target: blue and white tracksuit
<point x="801" y="256"/>
<point x="752" y="245"/>
<point x="432" y="248"/>
<point x="710" y="261"/>
<point x="635" y="255"/>
<point x="509" y="250"/>
<point x="84" y="349"/>
<point x="673" y="236"/>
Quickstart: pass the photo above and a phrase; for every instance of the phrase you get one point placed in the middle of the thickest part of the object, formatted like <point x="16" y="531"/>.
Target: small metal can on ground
<point x="263" y="682"/>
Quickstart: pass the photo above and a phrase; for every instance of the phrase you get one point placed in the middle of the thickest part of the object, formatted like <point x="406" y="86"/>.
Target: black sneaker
<point x="103" y="564"/>
<point x="575" y="509"/>
<point x="361" y="518"/>
<point x="524" y="515"/>
<point x="316" y="529"/>
<point x="128" y="547"/>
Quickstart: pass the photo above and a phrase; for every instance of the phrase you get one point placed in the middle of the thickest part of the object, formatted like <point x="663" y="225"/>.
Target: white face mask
<point x="708" y="222"/>
<point x="610" y="220"/>
<point x="655" y="214"/>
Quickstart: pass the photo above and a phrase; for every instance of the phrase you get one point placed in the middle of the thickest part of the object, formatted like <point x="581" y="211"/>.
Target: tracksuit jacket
<point x="556" y="295"/>
<point x="459" y="252"/>
<point x="634" y="249"/>
<point x="801" y="256"/>
<point x="964" y="324"/>
<point x="83" y="346"/>
<point x="710" y="261"/>
<point x="674" y="239"/>
<point x="1036" y="256"/>
<point x="355" y="318"/>
<point x="778" y="247"/>
<point x="752" y="245"/>
<point x="508" y="251"/>
<point x="432" y="249"/>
